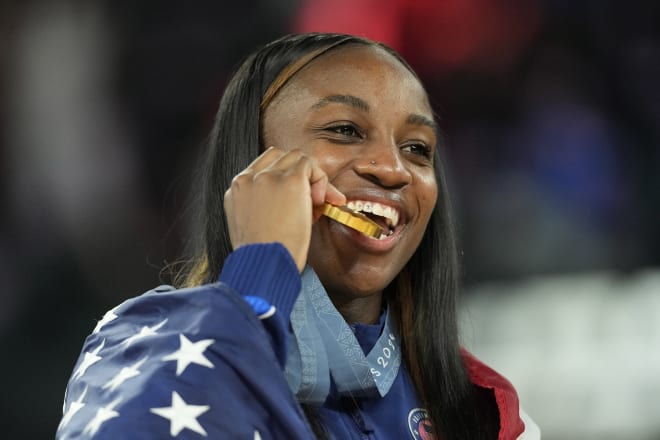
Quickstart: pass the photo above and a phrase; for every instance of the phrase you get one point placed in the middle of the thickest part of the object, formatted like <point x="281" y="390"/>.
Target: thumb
<point x="323" y="191"/>
<point x="334" y="196"/>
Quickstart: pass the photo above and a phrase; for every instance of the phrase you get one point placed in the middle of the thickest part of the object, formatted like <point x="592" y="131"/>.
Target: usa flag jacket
<point x="207" y="362"/>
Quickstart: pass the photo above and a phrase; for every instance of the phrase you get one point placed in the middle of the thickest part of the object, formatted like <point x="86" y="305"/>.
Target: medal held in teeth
<point x="353" y="219"/>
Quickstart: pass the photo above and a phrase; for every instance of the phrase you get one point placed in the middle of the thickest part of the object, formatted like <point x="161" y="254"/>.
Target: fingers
<point x="334" y="196"/>
<point x="264" y="160"/>
<point x="289" y="187"/>
<point x="294" y="161"/>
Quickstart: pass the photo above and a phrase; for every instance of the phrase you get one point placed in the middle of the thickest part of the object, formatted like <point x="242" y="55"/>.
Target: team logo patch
<point x="419" y="424"/>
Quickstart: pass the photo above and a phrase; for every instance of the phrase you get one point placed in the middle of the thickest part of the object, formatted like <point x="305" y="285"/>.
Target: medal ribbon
<point x="324" y="345"/>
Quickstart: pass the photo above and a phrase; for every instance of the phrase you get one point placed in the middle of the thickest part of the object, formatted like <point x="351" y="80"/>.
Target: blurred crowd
<point x="550" y="111"/>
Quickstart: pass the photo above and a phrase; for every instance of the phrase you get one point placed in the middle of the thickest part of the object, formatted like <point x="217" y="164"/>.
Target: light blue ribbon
<point x="324" y="345"/>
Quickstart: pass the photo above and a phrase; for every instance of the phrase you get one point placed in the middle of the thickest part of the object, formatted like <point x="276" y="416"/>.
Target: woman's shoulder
<point x="196" y="351"/>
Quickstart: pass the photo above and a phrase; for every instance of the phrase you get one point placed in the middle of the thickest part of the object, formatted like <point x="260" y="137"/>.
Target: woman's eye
<point x="419" y="149"/>
<point x="345" y="130"/>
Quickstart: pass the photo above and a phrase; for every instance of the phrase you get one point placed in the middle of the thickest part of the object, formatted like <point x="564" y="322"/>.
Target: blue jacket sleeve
<point x="192" y="363"/>
<point x="268" y="279"/>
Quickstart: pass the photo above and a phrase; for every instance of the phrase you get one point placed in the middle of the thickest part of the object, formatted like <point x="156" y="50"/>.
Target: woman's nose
<point x="383" y="165"/>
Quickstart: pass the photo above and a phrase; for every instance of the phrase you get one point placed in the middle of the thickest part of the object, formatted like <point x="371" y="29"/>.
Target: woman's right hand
<point x="277" y="199"/>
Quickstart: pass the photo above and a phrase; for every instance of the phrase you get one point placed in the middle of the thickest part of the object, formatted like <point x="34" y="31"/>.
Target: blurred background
<point x="551" y="110"/>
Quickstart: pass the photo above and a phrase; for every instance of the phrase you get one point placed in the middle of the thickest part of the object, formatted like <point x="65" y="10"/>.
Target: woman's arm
<point x="195" y="361"/>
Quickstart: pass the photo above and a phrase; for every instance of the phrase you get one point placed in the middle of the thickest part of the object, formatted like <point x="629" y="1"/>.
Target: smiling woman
<point x="290" y="324"/>
<point x="338" y="111"/>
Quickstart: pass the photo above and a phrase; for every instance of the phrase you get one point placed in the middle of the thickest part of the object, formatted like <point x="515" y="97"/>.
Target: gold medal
<point x="353" y="219"/>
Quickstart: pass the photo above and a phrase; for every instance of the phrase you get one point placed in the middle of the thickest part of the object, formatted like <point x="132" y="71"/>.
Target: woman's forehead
<point x="358" y="68"/>
<point x="361" y="60"/>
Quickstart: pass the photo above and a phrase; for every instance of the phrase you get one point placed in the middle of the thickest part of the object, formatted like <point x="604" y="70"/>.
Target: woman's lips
<point x="366" y="243"/>
<point x="391" y="212"/>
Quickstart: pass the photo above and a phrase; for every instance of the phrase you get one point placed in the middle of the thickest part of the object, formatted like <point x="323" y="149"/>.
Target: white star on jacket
<point x="182" y="416"/>
<point x="90" y="359"/>
<point x="108" y="317"/>
<point x="125" y="374"/>
<point x="74" y="407"/>
<point x="190" y="353"/>
<point x="144" y="332"/>
<point x="103" y="414"/>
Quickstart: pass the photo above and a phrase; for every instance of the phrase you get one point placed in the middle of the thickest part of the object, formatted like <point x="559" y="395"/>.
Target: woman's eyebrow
<point x="416" y="119"/>
<point x="351" y="100"/>
<point x="361" y="104"/>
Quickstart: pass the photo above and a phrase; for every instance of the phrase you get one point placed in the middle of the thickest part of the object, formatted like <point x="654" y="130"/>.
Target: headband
<point x="289" y="71"/>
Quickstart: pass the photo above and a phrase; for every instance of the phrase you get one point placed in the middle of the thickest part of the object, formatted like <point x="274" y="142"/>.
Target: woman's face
<point x="366" y="120"/>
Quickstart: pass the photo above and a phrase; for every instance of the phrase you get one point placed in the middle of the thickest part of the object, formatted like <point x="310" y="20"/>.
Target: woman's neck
<point x="359" y="310"/>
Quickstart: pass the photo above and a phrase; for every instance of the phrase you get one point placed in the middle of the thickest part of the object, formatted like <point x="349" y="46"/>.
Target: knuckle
<point x="241" y="179"/>
<point x="303" y="158"/>
<point x="304" y="162"/>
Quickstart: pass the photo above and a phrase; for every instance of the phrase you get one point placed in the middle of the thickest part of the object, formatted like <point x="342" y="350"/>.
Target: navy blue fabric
<point x="372" y="418"/>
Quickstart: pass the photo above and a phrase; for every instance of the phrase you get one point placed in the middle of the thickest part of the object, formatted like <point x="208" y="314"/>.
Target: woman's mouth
<point x="387" y="217"/>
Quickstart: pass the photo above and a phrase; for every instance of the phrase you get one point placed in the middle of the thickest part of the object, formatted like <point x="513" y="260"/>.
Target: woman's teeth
<point x="390" y="214"/>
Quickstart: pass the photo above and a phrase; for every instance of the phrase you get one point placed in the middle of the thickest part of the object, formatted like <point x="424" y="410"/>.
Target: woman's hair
<point x="423" y="296"/>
